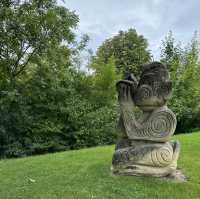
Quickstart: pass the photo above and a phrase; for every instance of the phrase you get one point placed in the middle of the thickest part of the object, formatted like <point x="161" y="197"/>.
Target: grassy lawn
<point x="85" y="174"/>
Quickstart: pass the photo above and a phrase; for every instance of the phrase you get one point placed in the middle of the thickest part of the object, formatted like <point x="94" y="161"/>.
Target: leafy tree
<point x="185" y="72"/>
<point x="51" y="105"/>
<point x="104" y="81"/>
<point x="28" y="29"/>
<point x="36" y="56"/>
<point x="171" y="55"/>
<point x="128" y="49"/>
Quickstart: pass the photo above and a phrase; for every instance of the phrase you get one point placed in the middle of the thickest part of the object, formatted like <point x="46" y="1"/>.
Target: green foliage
<point x="104" y="81"/>
<point x="128" y="49"/>
<point x="85" y="174"/>
<point x="28" y="29"/>
<point x="48" y="113"/>
<point x="185" y="73"/>
<point x="46" y="103"/>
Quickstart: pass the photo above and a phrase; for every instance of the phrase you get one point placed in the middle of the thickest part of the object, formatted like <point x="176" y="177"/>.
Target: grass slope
<point x="85" y="174"/>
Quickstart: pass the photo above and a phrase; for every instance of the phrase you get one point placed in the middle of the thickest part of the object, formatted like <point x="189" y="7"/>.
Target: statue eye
<point x="144" y="92"/>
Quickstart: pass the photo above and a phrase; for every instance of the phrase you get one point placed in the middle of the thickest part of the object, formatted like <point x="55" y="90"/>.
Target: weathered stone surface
<point x="157" y="125"/>
<point x="149" y="154"/>
<point x="144" y="147"/>
<point x="176" y="176"/>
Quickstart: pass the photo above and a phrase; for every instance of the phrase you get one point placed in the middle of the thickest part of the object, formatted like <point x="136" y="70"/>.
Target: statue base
<point x="142" y="170"/>
<point x="144" y="158"/>
<point x="168" y="173"/>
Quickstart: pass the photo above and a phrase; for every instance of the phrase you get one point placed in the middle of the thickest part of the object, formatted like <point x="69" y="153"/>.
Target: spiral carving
<point x="161" y="124"/>
<point x="162" y="157"/>
<point x="157" y="155"/>
<point x="144" y="92"/>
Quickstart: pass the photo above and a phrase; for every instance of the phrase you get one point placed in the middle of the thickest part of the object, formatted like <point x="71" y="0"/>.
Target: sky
<point x="102" y="19"/>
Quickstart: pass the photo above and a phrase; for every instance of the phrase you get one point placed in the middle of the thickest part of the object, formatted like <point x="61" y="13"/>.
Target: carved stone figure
<point x="144" y="146"/>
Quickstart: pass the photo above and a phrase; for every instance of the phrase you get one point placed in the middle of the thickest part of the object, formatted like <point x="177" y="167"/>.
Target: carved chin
<point x="150" y="104"/>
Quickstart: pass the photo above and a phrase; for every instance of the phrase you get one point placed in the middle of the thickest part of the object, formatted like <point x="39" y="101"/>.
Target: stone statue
<point x="144" y="147"/>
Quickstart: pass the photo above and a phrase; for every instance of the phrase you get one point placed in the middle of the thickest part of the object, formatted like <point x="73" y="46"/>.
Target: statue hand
<point x="125" y="92"/>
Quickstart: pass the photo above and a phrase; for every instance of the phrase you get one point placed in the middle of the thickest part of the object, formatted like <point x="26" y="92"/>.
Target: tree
<point x="47" y="103"/>
<point x="28" y="29"/>
<point x="104" y="79"/>
<point x="128" y="49"/>
<point x="184" y="66"/>
<point x="171" y="55"/>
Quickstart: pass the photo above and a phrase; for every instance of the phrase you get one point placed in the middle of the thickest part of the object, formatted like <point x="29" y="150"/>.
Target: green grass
<point x="85" y="174"/>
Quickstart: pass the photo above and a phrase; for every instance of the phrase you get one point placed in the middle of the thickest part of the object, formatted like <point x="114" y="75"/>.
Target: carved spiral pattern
<point x="162" y="157"/>
<point x="144" y="92"/>
<point x="161" y="124"/>
<point x="150" y="155"/>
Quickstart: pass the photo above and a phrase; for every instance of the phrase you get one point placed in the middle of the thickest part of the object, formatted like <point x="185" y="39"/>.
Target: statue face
<point x="154" y="87"/>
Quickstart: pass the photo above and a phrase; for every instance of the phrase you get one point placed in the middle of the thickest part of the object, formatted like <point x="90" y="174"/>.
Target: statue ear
<point x="166" y="89"/>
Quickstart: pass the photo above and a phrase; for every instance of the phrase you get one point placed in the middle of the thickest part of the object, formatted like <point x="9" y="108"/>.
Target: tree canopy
<point x="129" y="50"/>
<point x="184" y="66"/>
<point x="28" y="29"/>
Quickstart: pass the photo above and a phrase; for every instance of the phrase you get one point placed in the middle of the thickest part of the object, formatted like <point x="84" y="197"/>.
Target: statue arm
<point x="159" y="125"/>
<point x="126" y="90"/>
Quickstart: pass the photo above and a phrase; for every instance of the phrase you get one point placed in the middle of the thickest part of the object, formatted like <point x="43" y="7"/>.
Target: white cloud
<point x="102" y="19"/>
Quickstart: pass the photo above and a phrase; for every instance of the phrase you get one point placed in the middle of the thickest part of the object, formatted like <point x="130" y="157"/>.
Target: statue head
<point x="154" y="87"/>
